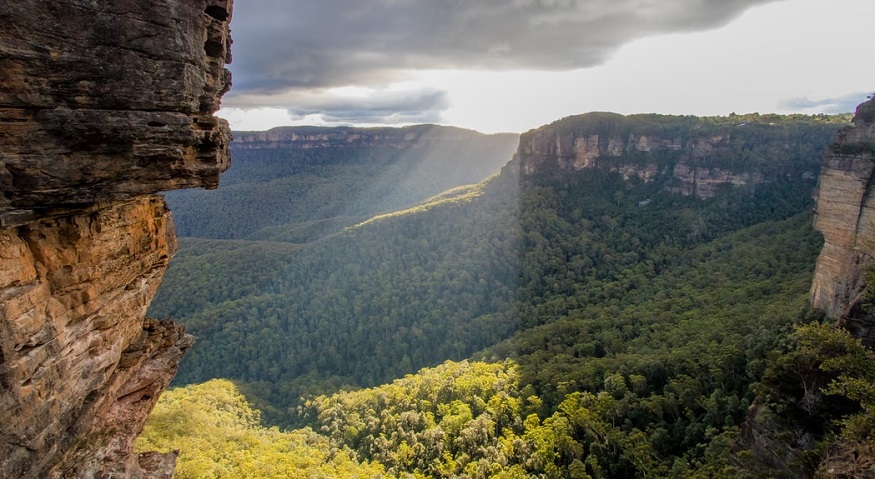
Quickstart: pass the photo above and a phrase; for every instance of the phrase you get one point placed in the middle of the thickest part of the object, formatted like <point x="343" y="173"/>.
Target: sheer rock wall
<point x="101" y="105"/>
<point x="846" y="215"/>
<point x="691" y="152"/>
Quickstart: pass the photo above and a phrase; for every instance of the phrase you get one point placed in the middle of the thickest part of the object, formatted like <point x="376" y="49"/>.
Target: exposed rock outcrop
<point x="101" y="104"/>
<point x="119" y="95"/>
<point x="846" y="215"/>
<point x="694" y="156"/>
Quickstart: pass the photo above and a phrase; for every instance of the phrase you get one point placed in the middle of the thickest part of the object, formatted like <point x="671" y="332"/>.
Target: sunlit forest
<point x="560" y="323"/>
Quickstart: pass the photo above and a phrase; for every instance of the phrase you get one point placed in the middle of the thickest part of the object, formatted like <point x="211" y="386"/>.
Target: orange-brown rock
<point x="82" y="366"/>
<point x="101" y="105"/>
<point x="846" y="215"/>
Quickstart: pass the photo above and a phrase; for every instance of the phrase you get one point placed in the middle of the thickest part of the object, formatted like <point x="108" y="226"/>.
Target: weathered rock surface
<point x="697" y="156"/>
<point x="101" y="104"/>
<point x="846" y="215"/>
<point x="81" y="367"/>
<point x="118" y="95"/>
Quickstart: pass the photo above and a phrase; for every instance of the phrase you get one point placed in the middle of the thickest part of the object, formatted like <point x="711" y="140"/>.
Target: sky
<point x="514" y="65"/>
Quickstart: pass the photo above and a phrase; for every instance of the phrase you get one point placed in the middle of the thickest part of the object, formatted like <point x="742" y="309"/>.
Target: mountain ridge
<point x="322" y="136"/>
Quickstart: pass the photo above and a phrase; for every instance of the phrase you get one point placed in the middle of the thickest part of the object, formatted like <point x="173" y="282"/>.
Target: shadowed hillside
<point x="296" y="184"/>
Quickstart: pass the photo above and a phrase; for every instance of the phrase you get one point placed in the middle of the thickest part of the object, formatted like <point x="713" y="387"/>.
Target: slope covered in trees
<point x="219" y="435"/>
<point x="613" y="328"/>
<point x="299" y="183"/>
<point x="480" y="420"/>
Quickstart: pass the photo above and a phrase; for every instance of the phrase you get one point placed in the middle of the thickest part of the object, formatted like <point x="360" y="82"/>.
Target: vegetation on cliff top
<point x="768" y="145"/>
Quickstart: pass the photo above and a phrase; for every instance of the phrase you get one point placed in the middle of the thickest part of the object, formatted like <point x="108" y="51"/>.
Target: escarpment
<point x="689" y="155"/>
<point x="101" y="105"/>
<point x="846" y="217"/>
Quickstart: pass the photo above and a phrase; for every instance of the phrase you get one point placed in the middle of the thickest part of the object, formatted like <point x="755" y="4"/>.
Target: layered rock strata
<point x="697" y="156"/>
<point x="101" y="104"/>
<point x="106" y="100"/>
<point x="845" y="215"/>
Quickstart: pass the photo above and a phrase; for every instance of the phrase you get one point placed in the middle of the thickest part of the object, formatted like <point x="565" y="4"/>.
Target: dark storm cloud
<point x="843" y="104"/>
<point x="387" y="107"/>
<point x="306" y="46"/>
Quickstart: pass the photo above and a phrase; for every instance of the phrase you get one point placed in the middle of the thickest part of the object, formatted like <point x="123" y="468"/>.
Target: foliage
<point x="377" y="302"/>
<point x="682" y="349"/>
<point x="218" y="435"/>
<point x="852" y="368"/>
<point x="668" y="370"/>
<point x="815" y="403"/>
<point x="438" y="422"/>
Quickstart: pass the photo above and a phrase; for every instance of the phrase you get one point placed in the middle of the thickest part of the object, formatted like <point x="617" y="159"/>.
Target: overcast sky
<point x="512" y="65"/>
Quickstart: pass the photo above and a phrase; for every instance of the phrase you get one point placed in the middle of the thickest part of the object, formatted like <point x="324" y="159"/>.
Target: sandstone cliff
<point x="117" y="95"/>
<point x="101" y="104"/>
<point x="846" y="215"/>
<point x="692" y="156"/>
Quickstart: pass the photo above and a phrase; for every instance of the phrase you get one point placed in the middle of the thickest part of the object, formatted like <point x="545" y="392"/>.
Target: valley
<point x="603" y="296"/>
<point x="643" y="272"/>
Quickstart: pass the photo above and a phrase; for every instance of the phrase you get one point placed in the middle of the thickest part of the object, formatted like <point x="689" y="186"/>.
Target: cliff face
<point x="109" y="100"/>
<point x="101" y="104"/>
<point x="846" y="215"/>
<point x="695" y="156"/>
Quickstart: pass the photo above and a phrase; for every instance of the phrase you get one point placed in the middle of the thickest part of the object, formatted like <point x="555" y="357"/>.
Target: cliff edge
<point x="697" y="156"/>
<point x="101" y="105"/>
<point x="845" y="215"/>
